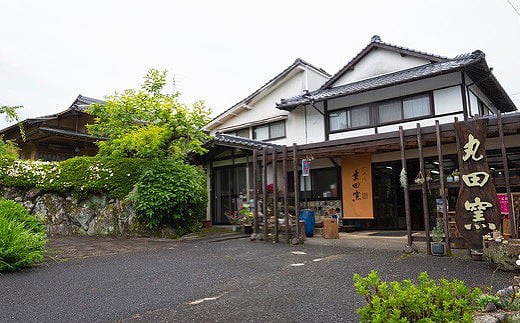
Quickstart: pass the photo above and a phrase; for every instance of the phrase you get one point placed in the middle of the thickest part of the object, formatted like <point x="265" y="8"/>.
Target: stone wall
<point x="94" y="215"/>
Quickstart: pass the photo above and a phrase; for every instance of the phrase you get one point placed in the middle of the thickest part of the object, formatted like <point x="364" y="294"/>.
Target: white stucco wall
<point x="377" y="62"/>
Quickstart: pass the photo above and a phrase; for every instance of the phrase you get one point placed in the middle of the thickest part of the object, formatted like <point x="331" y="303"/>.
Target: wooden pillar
<point x="264" y="191"/>
<point x="459" y="152"/>
<point x="424" y="191"/>
<point x="285" y="188"/>
<point x="275" y="196"/>
<point x="296" y="193"/>
<point x="512" y="217"/>
<point x="443" y="189"/>
<point x="255" y="190"/>
<point x="405" y="190"/>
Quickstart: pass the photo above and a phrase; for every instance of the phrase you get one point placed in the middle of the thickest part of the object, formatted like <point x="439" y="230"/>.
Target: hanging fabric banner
<point x="478" y="209"/>
<point x="356" y="181"/>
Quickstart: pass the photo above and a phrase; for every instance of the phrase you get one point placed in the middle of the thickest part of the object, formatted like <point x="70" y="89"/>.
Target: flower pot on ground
<point x="248" y="229"/>
<point x="438" y="247"/>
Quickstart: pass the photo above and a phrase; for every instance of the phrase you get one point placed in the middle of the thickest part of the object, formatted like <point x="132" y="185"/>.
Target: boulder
<point x="51" y="207"/>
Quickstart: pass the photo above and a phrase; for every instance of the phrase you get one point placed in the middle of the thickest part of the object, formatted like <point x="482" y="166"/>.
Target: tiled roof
<point x="82" y="102"/>
<point x="240" y="141"/>
<point x="281" y="75"/>
<point x="376" y="42"/>
<point x="418" y="72"/>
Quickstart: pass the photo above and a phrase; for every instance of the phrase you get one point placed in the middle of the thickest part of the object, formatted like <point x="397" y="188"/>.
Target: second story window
<point x="275" y="130"/>
<point x="349" y="118"/>
<point x="240" y="133"/>
<point x="406" y="108"/>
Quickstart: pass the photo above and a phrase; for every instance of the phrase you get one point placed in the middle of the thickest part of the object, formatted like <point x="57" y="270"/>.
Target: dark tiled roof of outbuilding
<point x="82" y="102"/>
<point x="239" y="141"/>
<point x="376" y="42"/>
<point x="473" y="63"/>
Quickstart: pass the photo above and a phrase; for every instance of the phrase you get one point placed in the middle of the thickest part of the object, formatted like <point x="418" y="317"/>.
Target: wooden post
<point x="459" y="152"/>
<point x="442" y="189"/>
<point x="285" y="203"/>
<point x="255" y="190"/>
<point x="406" y="193"/>
<point x="424" y="191"/>
<point x="275" y="196"/>
<point x="512" y="217"/>
<point x="296" y="193"/>
<point x="264" y="192"/>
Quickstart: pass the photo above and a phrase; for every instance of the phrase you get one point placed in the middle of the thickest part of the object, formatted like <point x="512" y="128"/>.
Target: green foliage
<point x="484" y="299"/>
<point x="22" y="238"/>
<point x="437" y="233"/>
<point x="16" y="212"/>
<point x="80" y="175"/>
<point x="146" y="123"/>
<point x="170" y="192"/>
<point x="426" y="301"/>
<point x="8" y="148"/>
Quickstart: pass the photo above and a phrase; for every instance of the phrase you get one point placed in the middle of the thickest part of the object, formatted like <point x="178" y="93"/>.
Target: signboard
<point x="356" y="181"/>
<point x="306" y="167"/>
<point x="477" y="208"/>
<point x="503" y="202"/>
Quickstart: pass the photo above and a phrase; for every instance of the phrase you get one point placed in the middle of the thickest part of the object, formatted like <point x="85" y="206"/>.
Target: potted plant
<point x="438" y="247"/>
<point x="234" y="219"/>
<point x="246" y="218"/>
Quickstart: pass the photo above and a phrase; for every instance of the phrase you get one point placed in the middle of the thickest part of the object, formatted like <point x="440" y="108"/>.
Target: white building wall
<point x="377" y="62"/>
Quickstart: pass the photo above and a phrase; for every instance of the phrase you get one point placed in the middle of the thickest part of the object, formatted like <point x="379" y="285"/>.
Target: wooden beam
<point x="275" y="197"/>
<point x="296" y="193"/>
<point x="264" y="191"/>
<point x="442" y="189"/>
<point x="512" y="216"/>
<point x="285" y="189"/>
<point x="424" y="191"/>
<point x="406" y="193"/>
<point x="255" y="190"/>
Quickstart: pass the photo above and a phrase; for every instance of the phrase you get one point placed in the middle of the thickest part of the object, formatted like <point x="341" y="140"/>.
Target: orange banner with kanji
<point x="356" y="181"/>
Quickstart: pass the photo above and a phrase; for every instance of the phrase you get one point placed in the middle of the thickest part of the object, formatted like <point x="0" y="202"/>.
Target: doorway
<point x="229" y="191"/>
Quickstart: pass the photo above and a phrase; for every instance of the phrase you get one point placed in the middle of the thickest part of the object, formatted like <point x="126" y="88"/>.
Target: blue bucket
<point x="308" y="216"/>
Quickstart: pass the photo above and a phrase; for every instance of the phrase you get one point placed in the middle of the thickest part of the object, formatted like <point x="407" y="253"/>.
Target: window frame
<point x="269" y="125"/>
<point x="374" y="112"/>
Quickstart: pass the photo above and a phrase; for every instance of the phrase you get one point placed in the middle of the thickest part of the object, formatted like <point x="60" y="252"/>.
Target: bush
<point x="16" y="212"/>
<point x="170" y="192"/>
<point x="21" y="238"/>
<point x="428" y="301"/>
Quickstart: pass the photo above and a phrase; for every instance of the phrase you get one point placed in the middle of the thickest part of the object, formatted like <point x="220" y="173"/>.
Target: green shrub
<point x="170" y="192"/>
<point x="16" y="212"/>
<point x="22" y="240"/>
<point x="426" y="301"/>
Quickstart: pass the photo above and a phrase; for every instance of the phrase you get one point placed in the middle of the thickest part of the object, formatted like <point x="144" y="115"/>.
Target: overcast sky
<point x="221" y="51"/>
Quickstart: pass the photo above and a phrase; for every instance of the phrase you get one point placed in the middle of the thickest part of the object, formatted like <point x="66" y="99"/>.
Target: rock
<point x="105" y="222"/>
<point x="491" y="307"/>
<point x="51" y="207"/>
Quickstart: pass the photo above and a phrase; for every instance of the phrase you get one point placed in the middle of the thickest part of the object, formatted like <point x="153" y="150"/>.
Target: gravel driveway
<point x="226" y="281"/>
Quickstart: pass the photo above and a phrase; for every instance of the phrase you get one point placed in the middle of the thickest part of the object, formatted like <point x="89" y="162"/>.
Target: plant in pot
<point x="438" y="247"/>
<point x="247" y="218"/>
<point x="234" y="219"/>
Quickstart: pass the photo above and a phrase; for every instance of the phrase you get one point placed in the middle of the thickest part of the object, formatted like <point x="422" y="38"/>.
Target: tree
<point x="147" y="123"/>
<point x="8" y="148"/>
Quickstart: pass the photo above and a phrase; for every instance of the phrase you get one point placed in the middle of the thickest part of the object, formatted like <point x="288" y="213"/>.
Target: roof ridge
<point x="376" y="42"/>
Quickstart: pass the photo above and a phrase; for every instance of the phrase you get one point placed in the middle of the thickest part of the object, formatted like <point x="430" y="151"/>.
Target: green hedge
<point x="163" y="191"/>
<point x="427" y="301"/>
<point x="22" y="237"/>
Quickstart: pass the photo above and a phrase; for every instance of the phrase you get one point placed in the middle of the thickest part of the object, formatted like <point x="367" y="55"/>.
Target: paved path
<point x="228" y="281"/>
